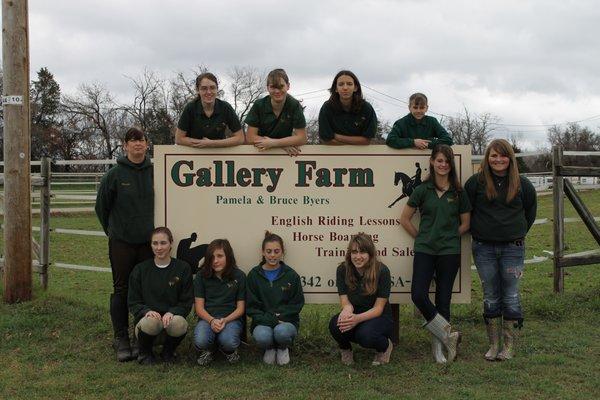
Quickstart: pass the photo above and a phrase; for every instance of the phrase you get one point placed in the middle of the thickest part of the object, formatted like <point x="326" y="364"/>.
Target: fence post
<point x="559" y="217"/>
<point x="45" y="221"/>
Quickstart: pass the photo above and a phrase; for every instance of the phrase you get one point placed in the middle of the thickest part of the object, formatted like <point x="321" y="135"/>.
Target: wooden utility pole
<point x="17" y="142"/>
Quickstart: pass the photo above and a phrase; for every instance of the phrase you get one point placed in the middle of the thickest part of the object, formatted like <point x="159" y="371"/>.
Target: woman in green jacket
<point x="275" y="299"/>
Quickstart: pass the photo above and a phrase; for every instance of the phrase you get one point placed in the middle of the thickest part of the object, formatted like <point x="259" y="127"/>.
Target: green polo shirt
<point x="261" y="116"/>
<point x="332" y="121"/>
<point x="220" y="295"/>
<point x="408" y="128"/>
<point x="360" y="301"/>
<point x="194" y="122"/>
<point x="440" y="218"/>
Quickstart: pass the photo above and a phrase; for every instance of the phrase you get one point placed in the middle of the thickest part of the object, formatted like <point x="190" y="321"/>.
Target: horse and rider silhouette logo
<point x="189" y="254"/>
<point x="408" y="183"/>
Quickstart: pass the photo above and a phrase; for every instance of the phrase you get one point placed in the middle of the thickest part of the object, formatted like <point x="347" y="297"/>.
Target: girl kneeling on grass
<point x="364" y="285"/>
<point x="444" y="209"/>
<point x="220" y="290"/>
<point x="160" y="298"/>
<point x="275" y="299"/>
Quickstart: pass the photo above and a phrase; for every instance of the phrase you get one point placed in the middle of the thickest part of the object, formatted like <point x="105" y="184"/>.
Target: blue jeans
<point x="500" y="267"/>
<point x="282" y="336"/>
<point x="228" y="339"/>
<point x="371" y="334"/>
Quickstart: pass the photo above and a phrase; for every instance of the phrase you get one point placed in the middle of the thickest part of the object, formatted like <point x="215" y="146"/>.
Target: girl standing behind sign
<point x="444" y="210"/>
<point x="275" y="299"/>
<point x="277" y="120"/>
<point x="346" y="118"/>
<point x="205" y="119"/>
<point x="364" y="286"/>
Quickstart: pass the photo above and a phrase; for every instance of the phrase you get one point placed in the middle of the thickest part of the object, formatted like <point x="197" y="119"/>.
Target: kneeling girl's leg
<point x="177" y="327"/>
<point x="374" y="333"/>
<point x="149" y="326"/>
<point x="284" y="334"/>
<point x="263" y="336"/>
<point x="229" y="337"/>
<point x="204" y="336"/>
<point x="343" y="339"/>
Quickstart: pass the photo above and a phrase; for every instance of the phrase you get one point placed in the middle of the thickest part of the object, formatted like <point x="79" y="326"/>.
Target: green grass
<point x="57" y="346"/>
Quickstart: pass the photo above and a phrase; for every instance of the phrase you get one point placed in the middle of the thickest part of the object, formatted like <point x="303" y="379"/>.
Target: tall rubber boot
<point x="509" y="335"/>
<point x="168" y="351"/>
<point x="437" y="348"/>
<point x="119" y="315"/>
<point x="441" y="329"/>
<point x="493" y="328"/>
<point x="145" y="343"/>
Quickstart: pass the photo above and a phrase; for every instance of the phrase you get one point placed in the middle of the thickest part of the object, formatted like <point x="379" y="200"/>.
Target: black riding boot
<point x="168" y="351"/>
<point x="119" y="315"/>
<point x="145" y="342"/>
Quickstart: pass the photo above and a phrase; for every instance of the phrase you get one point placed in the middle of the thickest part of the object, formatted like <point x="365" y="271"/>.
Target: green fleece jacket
<point x="163" y="290"/>
<point x="125" y="201"/>
<point x="271" y="302"/>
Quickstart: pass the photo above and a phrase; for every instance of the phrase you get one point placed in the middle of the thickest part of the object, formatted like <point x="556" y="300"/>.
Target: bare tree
<point x="98" y="114"/>
<point x="150" y="107"/>
<point x="473" y="129"/>
<point x="574" y="137"/>
<point x="247" y="84"/>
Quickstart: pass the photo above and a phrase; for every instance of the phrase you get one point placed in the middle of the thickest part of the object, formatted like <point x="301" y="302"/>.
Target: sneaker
<point x="347" y="357"/>
<point x="283" y="356"/>
<point x="232" y="357"/>
<point x="269" y="356"/>
<point x="121" y="346"/>
<point x="384" y="358"/>
<point x="205" y="357"/>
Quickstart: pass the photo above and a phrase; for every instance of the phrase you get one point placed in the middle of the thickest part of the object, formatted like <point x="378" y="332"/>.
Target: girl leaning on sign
<point x="444" y="210"/>
<point x="504" y="208"/>
<point x="364" y="286"/>
<point x="220" y="290"/>
<point x="277" y="120"/>
<point x="347" y="118"/>
<point x="274" y="302"/>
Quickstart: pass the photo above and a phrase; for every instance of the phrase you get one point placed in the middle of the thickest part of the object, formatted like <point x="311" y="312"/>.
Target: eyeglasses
<point x="208" y="88"/>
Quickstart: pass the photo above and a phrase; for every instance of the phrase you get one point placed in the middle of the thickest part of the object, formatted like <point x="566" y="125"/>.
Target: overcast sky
<point x="526" y="62"/>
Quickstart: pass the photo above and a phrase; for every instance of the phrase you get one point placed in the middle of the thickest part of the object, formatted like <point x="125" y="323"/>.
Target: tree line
<point x="88" y="123"/>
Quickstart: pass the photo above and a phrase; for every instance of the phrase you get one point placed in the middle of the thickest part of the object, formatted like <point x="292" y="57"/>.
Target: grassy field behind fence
<point x="58" y="345"/>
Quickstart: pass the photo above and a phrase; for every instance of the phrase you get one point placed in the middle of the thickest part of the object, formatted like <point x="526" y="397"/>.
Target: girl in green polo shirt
<point x="277" y="120"/>
<point x="364" y="285"/>
<point x="444" y="210"/>
<point x="275" y="299"/>
<point x="220" y="291"/>
<point x="205" y="120"/>
<point x="346" y="118"/>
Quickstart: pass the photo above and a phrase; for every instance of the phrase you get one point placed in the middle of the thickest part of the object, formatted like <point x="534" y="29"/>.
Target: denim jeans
<point x="426" y="268"/>
<point x="500" y="267"/>
<point x="371" y="334"/>
<point x="228" y="339"/>
<point x="282" y="336"/>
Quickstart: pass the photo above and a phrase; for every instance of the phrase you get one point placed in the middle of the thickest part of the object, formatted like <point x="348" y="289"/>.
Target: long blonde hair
<point x="363" y="243"/>
<point x="503" y="148"/>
